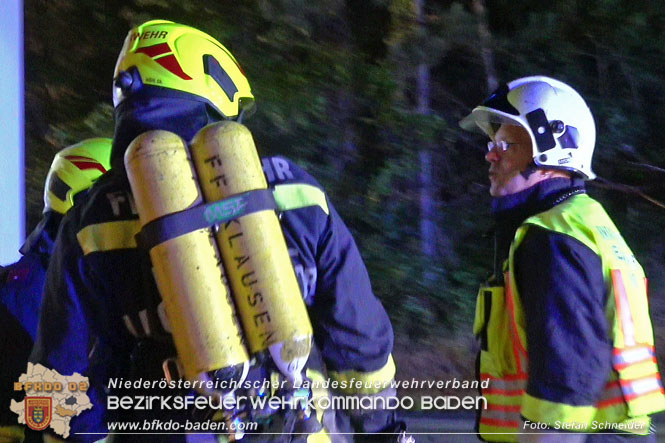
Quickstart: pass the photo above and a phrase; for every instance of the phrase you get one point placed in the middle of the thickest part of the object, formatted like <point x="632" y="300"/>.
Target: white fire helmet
<point x="556" y="117"/>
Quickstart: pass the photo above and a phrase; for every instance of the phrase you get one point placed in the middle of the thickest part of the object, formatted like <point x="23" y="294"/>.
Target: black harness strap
<point x="204" y="216"/>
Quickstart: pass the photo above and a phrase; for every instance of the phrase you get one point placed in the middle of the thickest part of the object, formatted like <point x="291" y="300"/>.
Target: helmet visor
<point x="488" y="120"/>
<point x="495" y="111"/>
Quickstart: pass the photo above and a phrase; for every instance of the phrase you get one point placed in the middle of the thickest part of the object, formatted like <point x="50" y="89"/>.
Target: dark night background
<point x="366" y="96"/>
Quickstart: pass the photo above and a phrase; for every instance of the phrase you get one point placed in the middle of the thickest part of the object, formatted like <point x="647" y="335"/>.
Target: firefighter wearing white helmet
<point x="74" y="169"/>
<point x="566" y="338"/>
<point x="171" y="84"/>
<point x="555" y="116"/>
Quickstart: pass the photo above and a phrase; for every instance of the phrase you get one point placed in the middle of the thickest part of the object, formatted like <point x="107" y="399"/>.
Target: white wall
<point x="12" y="166"/>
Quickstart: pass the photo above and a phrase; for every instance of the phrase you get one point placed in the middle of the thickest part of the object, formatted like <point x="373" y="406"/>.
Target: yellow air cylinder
<point x="256" y="259"/>
<point x="187" y="268"/>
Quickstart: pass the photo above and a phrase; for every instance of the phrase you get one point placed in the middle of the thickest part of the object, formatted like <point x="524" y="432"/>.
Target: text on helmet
<point x="148" y="35"/>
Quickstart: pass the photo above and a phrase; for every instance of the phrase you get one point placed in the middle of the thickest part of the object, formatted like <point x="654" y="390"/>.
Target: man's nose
<point x="493" y="155"/>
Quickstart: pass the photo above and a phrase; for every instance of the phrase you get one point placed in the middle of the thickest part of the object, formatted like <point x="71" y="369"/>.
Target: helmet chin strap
<point x="240" y="116"/>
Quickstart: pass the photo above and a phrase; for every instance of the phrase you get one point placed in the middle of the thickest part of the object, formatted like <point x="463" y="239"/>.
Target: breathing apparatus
<point x="208" y="220"/>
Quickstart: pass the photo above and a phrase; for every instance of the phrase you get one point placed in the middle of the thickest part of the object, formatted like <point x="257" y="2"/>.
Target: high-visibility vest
<point x="633" y="389"/>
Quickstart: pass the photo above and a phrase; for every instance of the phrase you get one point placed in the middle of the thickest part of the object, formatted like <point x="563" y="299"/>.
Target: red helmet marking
<point x="171" y="64"/>
<point x="169" y="61"/>
<point x="84" y="163"/>
<point x="155" y="50"/>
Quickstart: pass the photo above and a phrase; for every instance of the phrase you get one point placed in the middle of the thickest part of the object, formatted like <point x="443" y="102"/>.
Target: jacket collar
<point x="539" y="197"/>
<point x="144" y="112"/>
<point x="510" y="211"/>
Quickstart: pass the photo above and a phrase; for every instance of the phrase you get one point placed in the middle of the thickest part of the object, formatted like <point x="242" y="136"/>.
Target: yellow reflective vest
<point x="633" y="389"/>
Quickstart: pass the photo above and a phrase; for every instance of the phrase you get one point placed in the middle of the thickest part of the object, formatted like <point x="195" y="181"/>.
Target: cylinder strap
<point x="204" y="216"/>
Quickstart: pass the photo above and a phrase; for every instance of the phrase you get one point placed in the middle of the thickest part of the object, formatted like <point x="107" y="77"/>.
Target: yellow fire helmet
<point x="75" y="169"/>
<point x="180" y="59"/>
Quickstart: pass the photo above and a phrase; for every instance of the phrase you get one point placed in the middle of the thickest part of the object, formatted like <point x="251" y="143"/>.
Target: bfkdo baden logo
<point x="51" y="400"/>
<point x="38" y="412"/>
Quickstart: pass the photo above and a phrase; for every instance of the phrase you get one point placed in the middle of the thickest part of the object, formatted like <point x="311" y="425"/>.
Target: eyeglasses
<point x="501" y="144"/>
